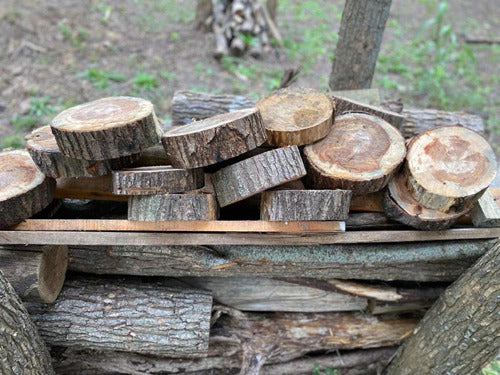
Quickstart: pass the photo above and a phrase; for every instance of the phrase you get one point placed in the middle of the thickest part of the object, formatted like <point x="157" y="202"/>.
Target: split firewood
<point x="24" y="189"/>
<point x="361" y="153"/>
<point x="173" y="207"/>
<point x="215" y="139"/>
<point x="449" y="168"/>
<point x="293" y="205"/>
<point x="486" y="211"/>
<point x="296" y="116"/>
<point x="256" y="174"/>
<point x="37" y="273"/>
<point x="44" y="151"/>
<point x="107" y="128"/>
<point x="156" y="180"/>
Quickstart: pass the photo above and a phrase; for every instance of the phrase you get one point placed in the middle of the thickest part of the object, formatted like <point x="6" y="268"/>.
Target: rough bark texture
<point x="154" y="318"/>
<point x="360" y="35"/>
<point x="296" y="116"/>
<point x="173" y="207"/>
<point x="215" y="139"/>
<point x="24" y="190"/>
<point x="486" y="211"/>
<point x="420" y="261"/>
<point x="256" y="174"/>
<point x="107" y="128"/>
<point x="157" y="180"/>
<point x="293" y="205"/>
<point x="461" y="332"/>
<point x="21" y="348"/>
<point x="361" y="153"/>
<point x="36" y="272"/>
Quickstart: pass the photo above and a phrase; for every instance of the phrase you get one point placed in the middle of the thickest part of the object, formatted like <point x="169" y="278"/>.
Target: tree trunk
<point x="461" y="332"/>
<point x="360" y="36"/>
<point x="21" y="348"/>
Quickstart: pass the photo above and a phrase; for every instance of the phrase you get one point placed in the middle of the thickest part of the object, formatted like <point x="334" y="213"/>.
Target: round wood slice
<point x="214" y="139"/>
<point x="157" y="180"/>
<point x="449" y="168"/>
<point x="296" y="116"/>
<point x="400" y="206"/>
<point x="24" y="189"/>
<point x="107" y="128"/>
<point x="256" y="174"/>
<point x="360" y="153"/>
<point x="44" y="151"/>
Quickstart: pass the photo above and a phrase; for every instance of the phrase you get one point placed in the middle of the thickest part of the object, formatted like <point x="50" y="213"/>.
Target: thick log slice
<point x="173" y="207"/>
<point x="214" y="139"/>
<point x="24" y="189"/>
<point x="400" y="205"/>
<point x="107" y="128"/>
<point x="256" y="174"/>
<point x="44" y="151"/>
<point x="157" y="180"/>
<point x="292" y="205"/>
<point x="360" y="153"/>
<point x="296" y="116"/>
<point x="449" y="168"/>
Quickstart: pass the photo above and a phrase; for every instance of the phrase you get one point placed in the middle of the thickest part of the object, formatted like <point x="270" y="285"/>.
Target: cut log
<point x="486" y="211"/>
<point x="156" y="180"/>
<point x="296" y="205"/>
<point x="44" y="151"/>
<point x="107" y="128"/>
<point x="367" y="96"/>
<point x="367" y="202"/>
<point x="152" y="156"/>
<point x="399" y="205"/>
<point x="24" y="189"/>
<point x="296" y="116"/>
<point x="256" y="174"/>
<point x="37" y="273"/>
<point x="361" y="153"/>
<point x="449" y="168"/>
<point x="95" y="188"/>
<point x="22" y="349"/>
<point x="167" y="319"/>
<point x="215" y="139"/>
<point x="173" y="207"/>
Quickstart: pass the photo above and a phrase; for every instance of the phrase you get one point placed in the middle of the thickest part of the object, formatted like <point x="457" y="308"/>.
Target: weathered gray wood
<point x="292" y="205"/>
<point x="173" y="207"/>
<point x="256" y="174"/>
<point x="486" y="211"/>
<point x="156" y="318"/>
<point x="37" y="273"/>
<point x="364" y="220"/>
<point x="461" y="332"/>
<point x="419" y="261"/>
<point x="366" y="96"/>
<point x="152" y="156"/>
<point x="21" y="348"/>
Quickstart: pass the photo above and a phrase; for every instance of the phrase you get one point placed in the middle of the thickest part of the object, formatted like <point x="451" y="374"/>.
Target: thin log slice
<point x="214" y="139"/>
<point x="360" y="153"/>
<point x="157" y="180"/>
<point x="449" y="168"/>
<point x="294" y="205"/>
<point x="107" y="128"/>
<point x="400" y="206"/>
<point x="44" y="151"/>
<point x="256" y="174"/>
<point x="24" y="189"/>
<point x="296" y="116"/>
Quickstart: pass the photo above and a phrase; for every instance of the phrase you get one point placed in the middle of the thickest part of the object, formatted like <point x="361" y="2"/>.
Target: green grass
<point x="492" y="369"/>
<point x="39" y="113"/>
<point x="154" y="14"/>
<point x="325" y="371"/>
<point x="100" y="78"/>
<point x="145" y="81"/>
<point x="12" y="141"/>
<point x="75" y="36"/>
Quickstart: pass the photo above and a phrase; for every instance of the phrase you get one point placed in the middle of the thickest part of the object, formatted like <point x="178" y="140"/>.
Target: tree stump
<point x="215" y="139"/>
<point x="157" y="180"/>
<point x="361" y="153"/>
<point x="293" y="205"/>
<point x="449" y="168"/>
<point x="173" y="207"/>
<point x="256" y="174"/>
<point x="44" y="151"/>
<point x="107" y="128"/>
<point x="296" y="116"/>
<point x="24" y="189"/>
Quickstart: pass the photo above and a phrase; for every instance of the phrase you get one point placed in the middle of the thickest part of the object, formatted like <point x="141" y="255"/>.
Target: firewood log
<point x="486" y="211"/>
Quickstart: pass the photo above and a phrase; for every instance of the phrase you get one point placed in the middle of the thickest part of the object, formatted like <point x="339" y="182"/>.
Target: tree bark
<point x="21" y="348"/>
<point x="461" y="332"/>
<point x="360" y="36"/>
